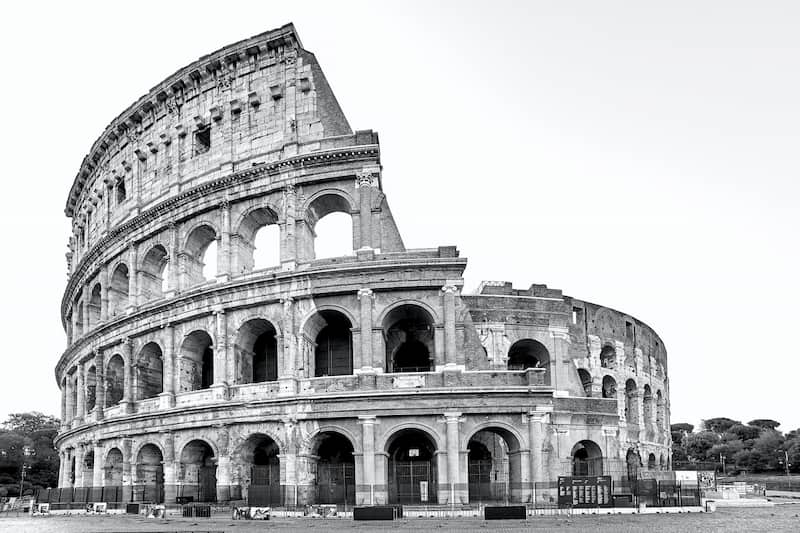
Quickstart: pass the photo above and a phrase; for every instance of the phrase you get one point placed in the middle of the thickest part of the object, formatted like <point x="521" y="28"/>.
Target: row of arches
<point x="255" y="244"/>
<point x="653" y="406"/>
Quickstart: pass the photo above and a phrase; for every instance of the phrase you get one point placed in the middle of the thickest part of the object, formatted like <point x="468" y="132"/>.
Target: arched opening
<point x="259" y="241"/>
<point x="78" y="312"/>
<point x="257" y="351"/>
<point x="197" y="361"/>
<point x="494" y="468"/>
<point x="333" y="351"/>
<point x="115" y="380"/>
<point x="608" y="356"/>
<point x="334" y="478"/>
<point x="331" y="226"/>
<point x="154" y="273"/>
<point x="198" y="470"/>
<point x="528" y="353"/>
<point x="113" y="469"/>
<point x="651" y="461"/>
<point x="586" y="381"/>
<point x="201" y="255"/>
<point x="609" y="387"/>
<point x="261" y="471"/>
<point x="118" y="291"/>
<point x="87" y="468"/>
<point x="647" y="405"/>
<point x="149" y="483"/>
<point x="408" y="332"/>
<point x="150" y="372"/>
<point x="94" y="305"/>
<point x="660" y="410"/>
<point x="631" y="403"/>
<point x="633" y="462"/>
<point x="73" y="379"/>
<point x="412" y="468"/>
<point x="662" y="465"/>
<point x="91" y="388"/>
<point x="587" y="459"/>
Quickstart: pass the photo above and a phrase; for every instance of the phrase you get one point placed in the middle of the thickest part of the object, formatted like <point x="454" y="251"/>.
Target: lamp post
<point x="27" y="451"/>
<point x="786" y="465"/>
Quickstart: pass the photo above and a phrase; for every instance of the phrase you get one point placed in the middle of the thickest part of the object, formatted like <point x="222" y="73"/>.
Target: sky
<point x="640" y="155"/>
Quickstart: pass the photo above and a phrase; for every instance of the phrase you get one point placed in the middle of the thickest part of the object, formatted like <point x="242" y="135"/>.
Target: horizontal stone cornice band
<point x="165" y="207"/>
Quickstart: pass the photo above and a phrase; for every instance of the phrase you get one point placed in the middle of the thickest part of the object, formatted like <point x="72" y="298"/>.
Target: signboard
<point x="584" y="491"/>
<point x="423" y="491"/>
<point x="413" y="452"/>
<point x="408" y="382"/>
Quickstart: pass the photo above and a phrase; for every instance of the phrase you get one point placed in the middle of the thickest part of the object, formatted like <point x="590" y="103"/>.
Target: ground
<point x="785" y="517"/>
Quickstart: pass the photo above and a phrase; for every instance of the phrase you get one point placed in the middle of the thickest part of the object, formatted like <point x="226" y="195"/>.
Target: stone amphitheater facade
<point x="365" y="378"/>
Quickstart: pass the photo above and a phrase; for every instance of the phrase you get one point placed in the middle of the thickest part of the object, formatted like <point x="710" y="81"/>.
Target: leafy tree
<point x="764" y="423"/>
<point x="765" y="453"/>
<point x="745" y="433"/>
<point x="698" y="445"/>
<point x="719" y="425"/>
<point x="36" y="432"/>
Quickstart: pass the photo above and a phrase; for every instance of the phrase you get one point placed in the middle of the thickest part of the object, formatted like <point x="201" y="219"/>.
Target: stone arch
<point x="154" y="273"/>
<point x="119" y="285"/>
<point x="421" y="426"/>
<point x="198" y="242"/>
<point x="586" y="381"/>
<point x="332" y="468"/>
<point x="631" y="402"/>
<point x="248" y="228"/>
<point x="91" y="388"/>
<point x="257" y="457"/>
<point x="198" y="470"/>
<point x="197" y="361"/>
<point x="326" y="204"/>
<point x="660" y="411"/>
<point x="330" y="332"/>
<point x="651" y="461"/>
<point x="115" y="379"/>
<point x="633" y="462"/>
<point x="149" y="442"/>
<point x="587" y="459"/>
<point x="411" y="450"/>
<point x="307" y="445"/>
<point x="112" y="467"/>
<point x="95" y="304"/>
<point x="647" y="404"/>
<point x="150" y="371"/>
<point x="608" y="356"/>
<point x="494" y="464"/>
<point x="149" y="472"/>
<point x="408" y="301"/>
<point x="256" y="351"/>
<point x="609" y="387"/>
<point x="409" y="335"/>
<point x="528" y="353"/>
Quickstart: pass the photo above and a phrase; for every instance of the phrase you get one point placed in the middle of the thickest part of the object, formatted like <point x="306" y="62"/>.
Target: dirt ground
<point x="785" y="517"/>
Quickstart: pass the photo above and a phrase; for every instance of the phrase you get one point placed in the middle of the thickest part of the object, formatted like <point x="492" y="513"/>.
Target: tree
<point x="765" y="454"/>
<point x="764" y="423"/>
<point x="745" y="433"/>
<point x="34" y="432"/>
<point x="27" y="423"/>
<point x="719" y="425"/>
<point x="698" y="445"/>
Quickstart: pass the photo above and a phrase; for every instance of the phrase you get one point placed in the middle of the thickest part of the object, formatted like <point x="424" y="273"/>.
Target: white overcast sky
<point x="639" y="155"/>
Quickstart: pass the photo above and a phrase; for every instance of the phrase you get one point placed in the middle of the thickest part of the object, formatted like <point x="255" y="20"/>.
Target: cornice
<point x="163" y="208"/>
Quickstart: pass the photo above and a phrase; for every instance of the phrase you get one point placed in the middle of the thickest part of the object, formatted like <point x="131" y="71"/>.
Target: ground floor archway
<point x="198" y="472"/>
<point x="334" y="470"/>
<point x="260" y="471"/>
<point x="149" y="482"/>
<point x="412" y="476"/>
<point x="494" y="466"/>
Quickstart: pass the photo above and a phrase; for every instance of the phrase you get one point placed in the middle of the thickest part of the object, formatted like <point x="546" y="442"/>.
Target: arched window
<point x="150" y="371"/>
<point x="528" y="353"/>
<point x="154" y="273"/>
<point x="647" y="404"/>
<point x="608" y="356"/>
<point x="118" y="291"/>
<point x="94" y="305"/>
<point x="412" y="461"/>
<point x="259" y="241"/>
<point x="198" y="472"/>
<point x="331" y="226"/>
<point x="660" y="410"/>
<point x="651" y="461"/>
<point x="586" y="381"/>
<point x="409" y="335"/>
<point x="197" y="361"/>
<point x="333" y="354"/>
<point x="201" y="255"/>
<point x="609" y="387"/>
<point x="257" y="351"/>
<point x="91" y="388"/>
<point x="115" y="380"/>
<point x="587" y="459"/>
<point x="335" y="469"/>
<point x="631" y="403"/>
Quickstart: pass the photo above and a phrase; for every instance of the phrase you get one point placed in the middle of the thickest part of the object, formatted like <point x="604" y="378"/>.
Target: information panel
<point x="584" y="491"/>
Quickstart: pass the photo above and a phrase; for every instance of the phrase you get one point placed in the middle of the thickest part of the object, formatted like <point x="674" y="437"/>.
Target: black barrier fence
<point x="80" y="495"/>
<point x="603" y="491"/>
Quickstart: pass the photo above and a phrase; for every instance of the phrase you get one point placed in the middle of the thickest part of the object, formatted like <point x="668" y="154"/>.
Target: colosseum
<point x="213" y="354"/>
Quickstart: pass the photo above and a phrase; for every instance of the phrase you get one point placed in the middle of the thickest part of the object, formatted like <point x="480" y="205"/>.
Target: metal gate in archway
<point x="483" y="487"/>
<point x="414" y="482"/>
<point x="265" y="486"/>
<point x="336" y="483"/>
<point x="207" y="484"/>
